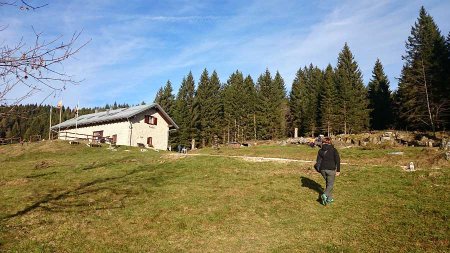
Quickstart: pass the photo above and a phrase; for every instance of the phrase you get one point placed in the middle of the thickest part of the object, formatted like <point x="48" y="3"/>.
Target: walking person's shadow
<point x="313" y="185"/>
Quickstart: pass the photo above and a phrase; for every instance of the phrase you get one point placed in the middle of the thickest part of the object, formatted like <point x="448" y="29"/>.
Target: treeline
<point x="29" y="120"/>
<point x="326" y="101"/>
<point x="329" y="101"/>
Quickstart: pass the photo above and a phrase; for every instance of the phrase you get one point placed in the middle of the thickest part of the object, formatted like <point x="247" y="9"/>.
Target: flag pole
<point x="76" y="119"/>
<point x="60" y="112"/>
<point x="50" y="125"/>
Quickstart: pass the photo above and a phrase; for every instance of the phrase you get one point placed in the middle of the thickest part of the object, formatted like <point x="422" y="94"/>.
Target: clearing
<point x="57" y="197"/>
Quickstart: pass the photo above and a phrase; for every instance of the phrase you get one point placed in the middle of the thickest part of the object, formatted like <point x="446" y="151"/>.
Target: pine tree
<point x="310" y="105"/>
<point x="328" y="98"/>
<point x="264" y="110"/>
<point x="249" y="103"/>
<point x="296" y="99"/>
<point x="423" y="88"/>
<point x="380" y="102"/>
<point x="278" y="107"/>
<point x="208" y="106"/>
<point x="165" y="98"/>
<point x="352" y="94"/>
<point x="184" y="112"/>
<point x="233" y="111"/>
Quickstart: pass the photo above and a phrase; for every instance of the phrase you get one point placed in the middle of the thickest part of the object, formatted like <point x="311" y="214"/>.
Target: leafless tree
<point x="28" y="69"/>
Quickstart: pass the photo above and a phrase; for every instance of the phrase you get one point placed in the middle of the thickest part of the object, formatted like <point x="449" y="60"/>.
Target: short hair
<point x="327" y="140"/>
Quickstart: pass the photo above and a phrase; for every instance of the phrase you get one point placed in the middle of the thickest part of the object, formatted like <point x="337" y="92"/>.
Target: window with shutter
<point x="155" y="121"/>
<point x="147" y="119"/>
<point x="149" y="141"/>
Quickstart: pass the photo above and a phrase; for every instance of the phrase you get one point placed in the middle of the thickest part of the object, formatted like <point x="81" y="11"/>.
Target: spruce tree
<point x="184" y="112"/>
<point x="328" y="99"/>
<point x="278" y="107"/>
<point x="310" y="105"/>
<point x="264" y="107"/>
<point x="296" y="100"/>
<point x="249" y="103"/>
<point x="208" y="106"/>
<point x="234" y="113"/>
<point x="165" y="98"/>
<point x="380" y="102"/>
<point x="423" y="88"/>
<point x="352" y="94"/>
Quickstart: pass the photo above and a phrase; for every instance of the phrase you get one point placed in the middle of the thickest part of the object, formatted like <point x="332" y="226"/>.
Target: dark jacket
<point x="330" y="159"/>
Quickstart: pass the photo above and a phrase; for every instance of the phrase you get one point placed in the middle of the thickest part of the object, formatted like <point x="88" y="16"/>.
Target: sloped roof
<point x="113" y="115"/>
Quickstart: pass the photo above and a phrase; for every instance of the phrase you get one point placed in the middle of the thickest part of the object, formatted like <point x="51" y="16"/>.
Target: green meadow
<point x="56" y="197"/>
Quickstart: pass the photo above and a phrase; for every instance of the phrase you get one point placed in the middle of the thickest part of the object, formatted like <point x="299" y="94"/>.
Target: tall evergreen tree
<point x="208" y="106"/>
<point x="380" y="102"/>
<point x="184" y="112"/>
<point x="328" y="102"/>
<point x="165" y="98"/>
<point x="264" y="109"/>
<point x="310" y="105"/>
<point x="353" y="113"/>
<point x="423" y="88"/>
<point x="249" y="103"/>
<point x="296" y="99"/>
<point x="234" y="113"/>
<point x="279" y="107"/>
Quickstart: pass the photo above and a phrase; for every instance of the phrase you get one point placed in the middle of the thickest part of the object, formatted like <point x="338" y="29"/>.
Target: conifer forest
<point x="326" y="100"/>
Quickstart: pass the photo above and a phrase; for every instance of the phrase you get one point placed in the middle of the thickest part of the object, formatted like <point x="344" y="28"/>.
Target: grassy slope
<point x="56" y="197"/>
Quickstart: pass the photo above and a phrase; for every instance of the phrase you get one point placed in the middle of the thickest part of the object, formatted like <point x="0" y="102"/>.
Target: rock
<point x="396" y="153"/>
<point x="411" y="167"/>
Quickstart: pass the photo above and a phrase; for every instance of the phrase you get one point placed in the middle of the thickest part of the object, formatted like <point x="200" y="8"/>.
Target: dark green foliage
<point x="185" y="114"/>
<point x="295" y="101"/>
<point x="25" y="121"/>
<point x="239" y="107"/>
<point x="311" y="107"/>
<point x="208" y="107"/>
<point x="271" y="106"/>
<point x="353" y="114"/>
<point x="380" y="102"/>
<point x="328" y="98"/>
<point x="165" y="98"/>
<point x="423" y="91"/>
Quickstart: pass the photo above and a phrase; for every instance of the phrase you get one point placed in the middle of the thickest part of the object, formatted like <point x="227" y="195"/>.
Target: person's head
<point x="326" y="140"/>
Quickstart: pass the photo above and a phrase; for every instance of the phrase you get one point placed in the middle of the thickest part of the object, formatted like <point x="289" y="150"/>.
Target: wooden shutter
<point x="155" y="120"/>
<point x="147" y="119"/>
<point x="149" y="141"/>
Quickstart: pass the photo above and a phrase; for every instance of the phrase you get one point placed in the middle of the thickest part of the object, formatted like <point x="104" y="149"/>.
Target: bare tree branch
<point x="35" y="68"/>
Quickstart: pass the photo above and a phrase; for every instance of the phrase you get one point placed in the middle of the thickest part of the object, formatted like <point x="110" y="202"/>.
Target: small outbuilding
<point x="143" y="125"/>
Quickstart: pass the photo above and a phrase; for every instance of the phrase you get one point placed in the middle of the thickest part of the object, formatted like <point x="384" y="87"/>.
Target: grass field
<point x="55" y="197"/>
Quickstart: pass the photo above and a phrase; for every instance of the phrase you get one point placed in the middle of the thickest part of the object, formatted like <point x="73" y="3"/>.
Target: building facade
<point x="144" y="126"/>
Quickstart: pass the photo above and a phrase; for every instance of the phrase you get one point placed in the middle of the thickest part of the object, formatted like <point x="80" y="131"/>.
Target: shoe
<point x="330" y="200"/>
<point x="323" y="197"/>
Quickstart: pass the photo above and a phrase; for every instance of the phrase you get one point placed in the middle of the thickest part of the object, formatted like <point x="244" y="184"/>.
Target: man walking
<point x="330" y="167"/>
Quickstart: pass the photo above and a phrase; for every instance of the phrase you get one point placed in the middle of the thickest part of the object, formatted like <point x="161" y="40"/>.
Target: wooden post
<point x="296" y="132"/>
<point x="254" y="124"/>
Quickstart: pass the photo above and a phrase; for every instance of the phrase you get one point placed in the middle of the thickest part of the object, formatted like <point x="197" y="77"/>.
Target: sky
<point x="136" y="46"/>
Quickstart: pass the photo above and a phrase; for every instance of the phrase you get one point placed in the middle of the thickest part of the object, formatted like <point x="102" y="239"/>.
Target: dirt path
<point x="258" y="158"/>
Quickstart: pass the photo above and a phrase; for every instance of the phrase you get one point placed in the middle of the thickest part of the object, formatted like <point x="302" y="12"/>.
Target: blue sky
<point x="138" y="45"/>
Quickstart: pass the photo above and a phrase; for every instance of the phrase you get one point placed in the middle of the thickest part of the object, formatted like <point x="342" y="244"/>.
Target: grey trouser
<point x="329" y="176"/>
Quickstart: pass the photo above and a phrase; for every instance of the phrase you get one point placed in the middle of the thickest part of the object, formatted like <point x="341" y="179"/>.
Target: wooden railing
<point x="6" y="141"/>
<point x="71" y="136"/>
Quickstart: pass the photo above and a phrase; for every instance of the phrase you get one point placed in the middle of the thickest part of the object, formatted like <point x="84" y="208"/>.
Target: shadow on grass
<point x="313" y="185"/>
<point x="80" y="190"/>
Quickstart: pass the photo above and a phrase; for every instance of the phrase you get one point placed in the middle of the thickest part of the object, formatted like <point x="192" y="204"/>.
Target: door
<point x="149" y="142"/>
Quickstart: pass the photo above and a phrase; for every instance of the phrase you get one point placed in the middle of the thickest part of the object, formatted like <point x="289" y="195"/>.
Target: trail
<point x="258" y="158"/>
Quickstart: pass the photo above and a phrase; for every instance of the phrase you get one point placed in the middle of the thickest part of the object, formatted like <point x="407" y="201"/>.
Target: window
<point x="150" y="120"/>
<point x="149" y="141"/>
